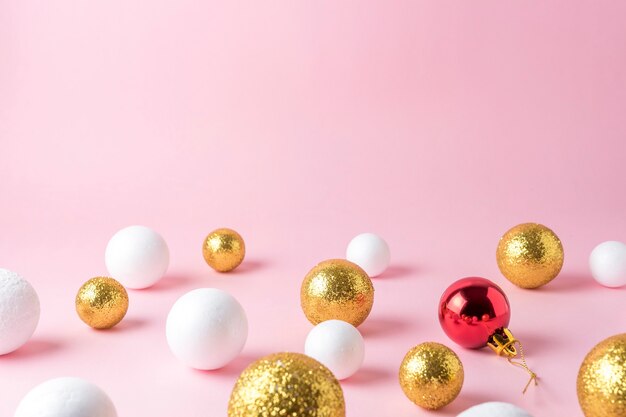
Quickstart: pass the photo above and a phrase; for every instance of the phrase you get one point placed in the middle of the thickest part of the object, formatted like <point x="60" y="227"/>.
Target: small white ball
<point x="137" y="257"/>
<point x="206" y="328"/>
<point x="66" y="397"/>
<point x="492" y="409"/>
<point x="338" y="345"/>
<point x="608" y="263"/>
<point x="370" y="252"/>
<point x="19" y="311"/>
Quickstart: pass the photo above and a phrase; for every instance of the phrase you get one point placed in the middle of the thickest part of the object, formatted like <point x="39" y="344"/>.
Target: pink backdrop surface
<point x="438" y="125"/>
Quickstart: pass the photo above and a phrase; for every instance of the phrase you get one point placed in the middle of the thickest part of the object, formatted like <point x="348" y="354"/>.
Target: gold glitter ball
<point x="337" y="289"/>
<point x="601" y="381"/>
<point x="431" y="375"/>
<point x="286" y="384"/>
<point x="101" y="302"/>
<point x="223" y="249"/>
<point x="530" y="255"/>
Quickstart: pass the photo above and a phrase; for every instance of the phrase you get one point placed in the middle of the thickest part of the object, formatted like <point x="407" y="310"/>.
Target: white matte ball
<point x="608" y="263"/>
<point x="206" y="328"/>
<point x="19" y="311"/>
<point x="494" y="409"/>
<point x="66" y="397"/>
<point x="137" y="257"/>
<point x="370" y="252"/>
<point x="338" y="345"/>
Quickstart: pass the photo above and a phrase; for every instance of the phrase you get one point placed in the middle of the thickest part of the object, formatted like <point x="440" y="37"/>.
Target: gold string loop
<point x="503" y="343"/>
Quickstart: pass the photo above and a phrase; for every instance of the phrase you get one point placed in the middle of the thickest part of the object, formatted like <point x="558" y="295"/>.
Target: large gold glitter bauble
<point x="530" y="255"/>
<point x="286" y="384"/>
<point x="431" y="375"/>
<point x="102" y="302"/>
<point x="223" y="249"/>
<point x="337" y="289"/>
<point x="601" y="382"/>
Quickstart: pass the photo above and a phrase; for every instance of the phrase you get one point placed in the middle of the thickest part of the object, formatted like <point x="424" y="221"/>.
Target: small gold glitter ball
<point x="431" y="375"/>
<point x="101" y="302"/>
<point x="223" y="249"/>
<point x="337" y="289"/>
<point x="601" y="381"/>
<point x="286" y="384"/>
<point x="530" y="255"/>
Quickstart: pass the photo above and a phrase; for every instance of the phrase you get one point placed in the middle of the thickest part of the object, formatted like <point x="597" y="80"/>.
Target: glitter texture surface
<point x="337" y="289"/>
<point x="601" y="381"/>
<point x="286" y="384"/>
<point x="530" y="255"/>
<point x="223" y="249"/>
<point x="431" y="375"/>
<point x="101" y="302"/>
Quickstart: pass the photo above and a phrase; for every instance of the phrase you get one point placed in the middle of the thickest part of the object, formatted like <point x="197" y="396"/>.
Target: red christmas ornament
<point x="474" y="312"/>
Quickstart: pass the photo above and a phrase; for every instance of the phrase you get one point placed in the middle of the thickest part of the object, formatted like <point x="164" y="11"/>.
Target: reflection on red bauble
<point x="471" y="310"/>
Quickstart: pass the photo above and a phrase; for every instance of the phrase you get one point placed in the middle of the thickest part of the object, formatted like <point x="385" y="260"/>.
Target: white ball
<point x="338" y="345"/>
<point x="370" y="252"/>
<point x="206" y="328"/>
<point x="493" y="409"/>
<point x="137" y="257"/>
<point x="608" y="263"/>
<point x="19" y="311"/>
<point x="66" y="397"/>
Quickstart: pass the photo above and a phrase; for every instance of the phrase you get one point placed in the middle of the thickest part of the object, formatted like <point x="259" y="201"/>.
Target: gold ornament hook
<point x="503" y="343"/>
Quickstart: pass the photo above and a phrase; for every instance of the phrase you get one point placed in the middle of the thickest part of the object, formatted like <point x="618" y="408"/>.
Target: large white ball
<point x="494" y="409"/>
<point x="19" y="311"/>
<point x="137" y="257"/>
<point x="66" y="397"/>
<point x="370" y="252"/>
<point x="206" y="328"/>
<point x="338" y="345"/>
<point x="608" y="263"/>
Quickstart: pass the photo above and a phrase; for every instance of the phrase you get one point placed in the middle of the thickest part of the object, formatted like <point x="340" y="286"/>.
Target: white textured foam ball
<point x="338" y="345"/>
<point x="493" y="409"/>
<point x="66" y="397"/>
<point x="206" y="328"/>
<point x="19" y="311"/>
<point x="608" y="263"/>
<point x="137" y="257"/>
<point x="370" y="252"/>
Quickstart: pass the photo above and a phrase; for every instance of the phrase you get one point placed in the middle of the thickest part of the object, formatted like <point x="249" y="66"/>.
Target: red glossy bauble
<point x="471" y="310"/>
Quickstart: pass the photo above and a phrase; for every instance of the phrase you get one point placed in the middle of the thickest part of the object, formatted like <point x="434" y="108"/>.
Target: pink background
<point x="438" y="125"/>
